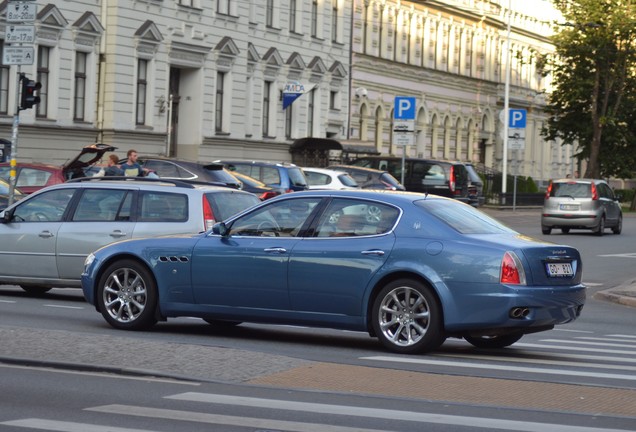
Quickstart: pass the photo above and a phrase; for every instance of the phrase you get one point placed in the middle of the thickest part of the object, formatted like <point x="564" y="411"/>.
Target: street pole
<point x="506" y="107"/>
<point x="14" y="140"/>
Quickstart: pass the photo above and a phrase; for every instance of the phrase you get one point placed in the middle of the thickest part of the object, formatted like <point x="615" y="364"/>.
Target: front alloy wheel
<point x="407" y="318"/>
<point x="127" y="296"/>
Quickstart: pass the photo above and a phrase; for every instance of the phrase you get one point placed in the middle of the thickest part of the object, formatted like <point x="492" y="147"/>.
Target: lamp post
<point x="504" y="171"/>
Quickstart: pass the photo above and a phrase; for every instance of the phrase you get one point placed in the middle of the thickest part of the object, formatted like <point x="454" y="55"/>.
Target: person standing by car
<point x="131" y="167"/>
<point x="112" y="169"/>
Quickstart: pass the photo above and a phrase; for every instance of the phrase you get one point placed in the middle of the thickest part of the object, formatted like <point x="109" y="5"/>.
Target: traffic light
<point x="28" y="93"/>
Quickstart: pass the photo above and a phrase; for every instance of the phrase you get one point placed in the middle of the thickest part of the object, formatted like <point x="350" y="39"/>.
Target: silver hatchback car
<point x="581" y="204"/>
<point x="47" y="235"/>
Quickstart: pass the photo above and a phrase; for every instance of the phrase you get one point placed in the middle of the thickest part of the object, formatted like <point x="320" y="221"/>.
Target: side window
<point x="163" y="169"/>
<point x="353" y="218"/>
<point x="315" y="178"/>
<point x="102" y="205"/>
<point x="434" y="175"/>
<point x="45" y="207"/>
<point x="163" y="207"/>
<point x="32" y="177"/>
<point x="270" y="175"/>
<point x="281" y="219"/>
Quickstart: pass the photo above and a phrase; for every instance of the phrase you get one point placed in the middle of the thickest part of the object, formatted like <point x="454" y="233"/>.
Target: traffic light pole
<point x="14" y="140"/>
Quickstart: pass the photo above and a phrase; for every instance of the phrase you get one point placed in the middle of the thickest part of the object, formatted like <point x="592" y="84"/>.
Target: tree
<point x="593" y="103"/>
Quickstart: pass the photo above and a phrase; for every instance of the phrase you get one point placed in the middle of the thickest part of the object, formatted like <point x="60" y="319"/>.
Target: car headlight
<point x="89" y="260"/>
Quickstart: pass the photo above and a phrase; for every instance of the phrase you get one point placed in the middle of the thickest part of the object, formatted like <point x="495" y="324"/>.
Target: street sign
<point x="517" y="118"/>
<point x="18" y="56"/>
<point x="20" y="34"/>
<point x="404" y="108"/>
<point x="403" y="138"/>
<point x="21" y="11"/>
<point x="517" y="139"/>
<point x="403" y="125"/>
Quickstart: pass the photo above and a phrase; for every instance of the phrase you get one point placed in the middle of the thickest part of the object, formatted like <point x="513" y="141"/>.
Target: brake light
<point x="512" y="270"/>
<point x="451" y="182"/>
<point x="208" y="215"/>
<point x="594" y="192"/>
<point x="547" y="193"/>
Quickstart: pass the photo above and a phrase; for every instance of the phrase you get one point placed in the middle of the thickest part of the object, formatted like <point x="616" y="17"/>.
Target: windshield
<point x="463" y="218"/>
<point x="297" y="177"/>
<point x="347" y="180"/>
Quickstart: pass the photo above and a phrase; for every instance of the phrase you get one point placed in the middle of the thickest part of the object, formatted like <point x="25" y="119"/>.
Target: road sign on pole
<point x="21" y="11"/>
<point x="20" y="34"/>
<point x="404" y="108"/>
<point x="18" y="55"/>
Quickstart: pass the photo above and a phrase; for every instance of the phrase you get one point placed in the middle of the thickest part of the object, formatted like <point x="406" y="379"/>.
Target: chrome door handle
<point x="373" y="252"/>
<point x="46" y="234"/>
<point x="278" y="250"/>
<point x="118" y="233"/>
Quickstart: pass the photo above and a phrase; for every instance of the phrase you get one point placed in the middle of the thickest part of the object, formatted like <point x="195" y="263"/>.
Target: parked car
<point x="410" y="269"/>
<point x="47" y="235"/>
<point x="5" y="188"/>
<point x="283" y="176"/>
<point x="321" y="178"/>
<point x="32" y="177"/>
<point x="176" y="169"/>
<point x="581" y="204"/>
<point x="445" y="178"/>
<point x="478" y="199"/>
<point x="369" y="178"/>
<point x="260" y="189"/>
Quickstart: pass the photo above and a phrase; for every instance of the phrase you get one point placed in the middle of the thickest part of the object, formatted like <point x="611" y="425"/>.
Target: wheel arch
<point x="124" y="256"/>
<point x="390" y="278"/>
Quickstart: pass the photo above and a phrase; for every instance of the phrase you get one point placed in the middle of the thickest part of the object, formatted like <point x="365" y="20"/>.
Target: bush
<point x="627" y="195"/>
<point x="524" y="184"/>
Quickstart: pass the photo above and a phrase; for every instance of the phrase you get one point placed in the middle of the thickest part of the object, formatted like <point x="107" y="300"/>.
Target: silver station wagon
<point x="581" y="204"/>
<point x="47" y="235"/>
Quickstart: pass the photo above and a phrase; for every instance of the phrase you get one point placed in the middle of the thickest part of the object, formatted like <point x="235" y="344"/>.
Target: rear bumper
<point x="556" y="220"/>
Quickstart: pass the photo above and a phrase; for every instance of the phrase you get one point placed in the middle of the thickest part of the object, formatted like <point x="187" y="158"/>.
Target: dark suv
<point x="445" y="178"/>
<point x="175" y="169"/>
<point x="284" y="177"/>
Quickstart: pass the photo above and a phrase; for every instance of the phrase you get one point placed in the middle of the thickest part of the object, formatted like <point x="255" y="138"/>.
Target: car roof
<point x="358" y="168"/>
<point x="324" y="170"/>
<point x="414" y="159"/>
<point x="159" y="183"/>
<point x="389" y="196"/>
<point x="257" y="162"/>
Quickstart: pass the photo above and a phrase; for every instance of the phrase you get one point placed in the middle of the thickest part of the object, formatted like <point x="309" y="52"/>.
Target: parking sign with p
<point x="404" y="108"/>
<point x="517" y="119"/>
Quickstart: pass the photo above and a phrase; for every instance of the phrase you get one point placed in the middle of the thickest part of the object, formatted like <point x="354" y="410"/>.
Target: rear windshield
<point x="222" y="176"/>
<point x="227" y="204"/>
<point x="297" y="177"/>
<point x="463" y="218"/>
<point x="389" y="179"/>
<point x="347" y="180"/>
<point x="571" y="190"/>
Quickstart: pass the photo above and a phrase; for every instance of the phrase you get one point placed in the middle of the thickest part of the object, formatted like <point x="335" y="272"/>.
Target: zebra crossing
<point x="599" y="360"/>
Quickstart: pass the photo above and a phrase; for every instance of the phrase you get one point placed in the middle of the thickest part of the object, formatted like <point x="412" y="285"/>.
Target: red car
<point x="32" y="177"/>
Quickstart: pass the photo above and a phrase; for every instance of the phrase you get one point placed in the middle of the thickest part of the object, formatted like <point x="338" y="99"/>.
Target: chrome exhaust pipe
<point x="519" y="312"/>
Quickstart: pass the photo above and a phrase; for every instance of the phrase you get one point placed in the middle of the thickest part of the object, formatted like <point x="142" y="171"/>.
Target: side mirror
<point x="220" y="229"/>
<point x="6" y="216"/>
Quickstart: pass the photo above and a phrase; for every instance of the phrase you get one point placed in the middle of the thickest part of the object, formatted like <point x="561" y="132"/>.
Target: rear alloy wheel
<point x="619" y="225"/>
<point x="600" y="228"/>
<point x="35" y="289"/>
<point x="565" y="230"/>
<point x="495" y="341"/>
<point x="127" y="296"/>
<point x="546" y="230"/>
<point x="407" y="317"/>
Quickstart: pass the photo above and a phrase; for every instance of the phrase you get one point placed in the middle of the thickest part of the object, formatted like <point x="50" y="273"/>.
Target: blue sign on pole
<point x="517" y="119"/>
<point x="404" y="108"/>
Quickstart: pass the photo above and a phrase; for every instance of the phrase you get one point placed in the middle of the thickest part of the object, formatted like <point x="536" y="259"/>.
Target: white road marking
<point x="566" y="348"/>
<point x="622" y="255"/>
<point x="62" y="306"/>
<point x="580" y="342"/>
<point x="561" y="372"/>
<point x="59" y="426"/>
<point x="8" y="301"/>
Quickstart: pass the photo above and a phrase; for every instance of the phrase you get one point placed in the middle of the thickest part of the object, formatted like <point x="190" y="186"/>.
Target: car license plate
<point x="560" y="269"/>
<point x="569" y="207"/>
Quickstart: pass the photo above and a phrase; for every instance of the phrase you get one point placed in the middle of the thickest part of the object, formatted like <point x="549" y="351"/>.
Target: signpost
<point x="21" y="13"/>
<point x="403" y="125"/>
<point x="517" y="129"/>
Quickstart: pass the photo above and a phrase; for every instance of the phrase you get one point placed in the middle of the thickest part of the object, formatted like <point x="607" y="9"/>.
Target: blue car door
<point x="248" y="267"/>
<point x="328" y="273"/>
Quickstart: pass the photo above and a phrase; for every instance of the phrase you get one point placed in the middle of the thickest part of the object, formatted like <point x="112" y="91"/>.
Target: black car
<point x="176" y="169"/>
<point x="439" y="177"/>
<point x="369" y="178"/>
<point x="478" y="199"/>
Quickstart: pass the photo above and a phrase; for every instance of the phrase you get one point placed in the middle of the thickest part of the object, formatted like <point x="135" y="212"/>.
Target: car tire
<point x="546" y="230"/>
<point x="127" y="295"/>
<point x="600" y="228"/>
<point x="565" y="230"/>
<point x="619" y="225"/>
<point x="407" y="318"/>
<point x="492" y="342"/>
<point x="35" y="289"/>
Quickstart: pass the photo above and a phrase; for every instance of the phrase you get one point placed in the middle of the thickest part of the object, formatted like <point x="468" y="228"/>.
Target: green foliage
<point x="593" y="103"/>
<point x="627" y="195"/>
<point x="524" y="184"/>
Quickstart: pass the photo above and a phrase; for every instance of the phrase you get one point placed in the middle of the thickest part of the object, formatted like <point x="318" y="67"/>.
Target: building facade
<point x="194" y="79"/>
<point x="451" y="56"/>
